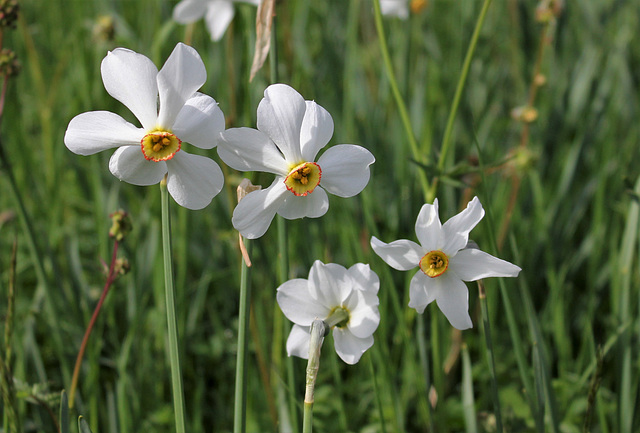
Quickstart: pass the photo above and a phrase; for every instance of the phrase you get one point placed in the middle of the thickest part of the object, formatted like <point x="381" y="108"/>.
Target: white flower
<point x="290" y="133"/>
<point x="217" y="14"/>
<point x="444" y="261"/>
<point x="397" y="8"/>
<point x="146" y="154"/>
<point x="345" y="299"/>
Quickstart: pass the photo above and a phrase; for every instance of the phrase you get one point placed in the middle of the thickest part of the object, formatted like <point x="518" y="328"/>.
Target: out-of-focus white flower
<point x="146" y="154"/>
<point x="290" y="133"/>
<point x="444" y="261"/>
<point x="345" y="299"/>
<point x="396" y="8"/>
<point x="217" y="14"/>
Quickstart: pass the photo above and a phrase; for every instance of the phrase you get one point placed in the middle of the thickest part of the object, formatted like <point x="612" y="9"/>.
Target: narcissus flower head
<point x="444" y="260"/>
<point x="171" y="112"/>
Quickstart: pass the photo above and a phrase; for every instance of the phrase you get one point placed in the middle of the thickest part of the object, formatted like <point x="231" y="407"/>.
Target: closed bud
<point x="8" y="13"/>
<point x="121" y="225"/>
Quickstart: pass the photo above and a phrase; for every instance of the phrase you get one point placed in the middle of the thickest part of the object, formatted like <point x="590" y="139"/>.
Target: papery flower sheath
<point x="217" y="14"/>
<point x="291" y="132"/>
<point x="444" y="260"/>
<point x="171" y="112"/>
<point x="345" y="299"/>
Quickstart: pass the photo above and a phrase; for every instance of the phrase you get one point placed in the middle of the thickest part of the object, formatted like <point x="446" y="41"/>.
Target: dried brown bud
<point x="8" y="13"/>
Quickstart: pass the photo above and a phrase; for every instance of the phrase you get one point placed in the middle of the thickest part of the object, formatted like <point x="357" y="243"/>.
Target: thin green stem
<point x="376" y="389"/>
<point x="240" y="406"/>
<point x="402" y="108"/>
<point x="446" y="140"/>
<point x="172" y="321"/>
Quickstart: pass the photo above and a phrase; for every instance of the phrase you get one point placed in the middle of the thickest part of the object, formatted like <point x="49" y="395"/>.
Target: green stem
<point x="240" y="406"/>
<point x="402" y="108"/>
<point x="446" y="140"/>
<point x="318" y="329"/>
<point x="172" y="321"/>
<point x="486" y="326"/>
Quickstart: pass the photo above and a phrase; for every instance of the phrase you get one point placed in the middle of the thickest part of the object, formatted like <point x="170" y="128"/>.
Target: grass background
<point x="573" y="228"/>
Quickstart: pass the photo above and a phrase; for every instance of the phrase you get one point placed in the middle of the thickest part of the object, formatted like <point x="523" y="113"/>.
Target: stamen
<point x="160" y="145"/>
<point x="303" y="178"/>
<point x="434" y="263"/>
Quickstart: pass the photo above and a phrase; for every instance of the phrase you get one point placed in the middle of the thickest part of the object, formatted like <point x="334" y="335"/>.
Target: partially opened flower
<point x="345" y="299"/>
<point x="145" y="155"/>
<point x="217" y="14"/>
<point x="291" y="132"/>
<point x="444" y="261"/>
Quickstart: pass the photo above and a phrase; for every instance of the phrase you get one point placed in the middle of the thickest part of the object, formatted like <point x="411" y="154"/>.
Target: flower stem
<point x="240" y="405"/>
<point x="318" y="329"/>
<point x="486" y="326"/>
<point x="402" y="108"/>
<point x="172" y="322"/>
<point x="446" y="140"/>
<point x="92" y="322"/>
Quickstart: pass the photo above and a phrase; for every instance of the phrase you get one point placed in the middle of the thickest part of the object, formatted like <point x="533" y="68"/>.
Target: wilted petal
<point x="131" y="79"/>
<point x="193" y="180"/>
<point x="247" y="149"/>
<point x="422" y="291"/>
<point x="92" y="132"/>
<point x="364" y="279"/>
<point x="329" y="284"/>
<point x="298" y="341"/>
<point x="364" y="316"/>
<point x="316" y="130"/>
<point x="312" y="205"/>
<point x="349" y="347"/>
<point x="199" y="122"/>
<point x="457" y="228"/>
<point x="182" y="74"/>
<point x="401" y="254"/>
<point x="297" y="304"/>
<point x="189" y="11"/>
<point x="256" y="210"/>
<point x="453" y="300"/>
<point x="280" y="115"/>
<point x="473" y="264"/>
<point x="128" y="164"/>
<point x="219" y="15"/>
<point x="428" y="228"/>
<point x="345" y="169"/>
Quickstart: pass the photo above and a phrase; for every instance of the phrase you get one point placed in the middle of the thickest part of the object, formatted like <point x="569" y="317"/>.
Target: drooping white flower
<point x="146" y="154"/>
<point x="217" y="14"/>
<point x="444" y="261"/>
<point x="396" y="8"/>
<point x="345" y="299"/>
<point x="290" y="133"/>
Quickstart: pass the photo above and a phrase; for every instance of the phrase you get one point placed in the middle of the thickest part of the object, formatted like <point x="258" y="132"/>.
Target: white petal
<point x="422" y="291"/>
<point x="312" y="205"/>
<point x="219" y="15"/>
<point x="92" y="132"/>
<point x="256" y="210"/>
<point x="128" y="164"/>
<point x="457" y="228"/>
<point x="345" y="169"/>
<point x="401" y="254"/>
<point x="189" y="11"/>
<point x="298" y="341"/>
<point x="131" y="79"/>
<point x="364" y="279"/>
<point x="364" y="316"/>
<point x="200" y="122"/>
<point x="453" y="300"/>
<point x="349" y="347"/>
<point x="193" y="180"/>
<point x="296" y="303"/>
<point x="472" y="264"/>
<point x="428" y="228"/>
<point x="398" y="8"/>
<point x="329" y="284"/>
<point x="316" y="130"/>
<point x="280" y="115"/>
<point x="182" y="74"/>
<point x="247" y="149"/>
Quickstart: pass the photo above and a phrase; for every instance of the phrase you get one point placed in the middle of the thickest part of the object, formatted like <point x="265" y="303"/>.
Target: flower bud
<point x="8" y="13"/>
<point x="121" y="225"/>
<point x="9" y="64"/>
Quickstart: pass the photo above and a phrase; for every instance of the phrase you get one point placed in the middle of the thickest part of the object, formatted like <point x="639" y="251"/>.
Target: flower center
<point x="160" y="145"/>
<point x="434" y="263"/>
<point x="303" y="178"/>
<point x="339" y="317"/>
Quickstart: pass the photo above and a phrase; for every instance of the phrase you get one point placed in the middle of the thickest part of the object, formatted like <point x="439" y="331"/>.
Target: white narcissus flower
<point x="217" y="14"/>
<point x="290" y="133"/>
<point x="397" y="8"/>
<point x="146" y="154"/>
<point x="345" y="299"/>
<point x="444" y="261"/>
